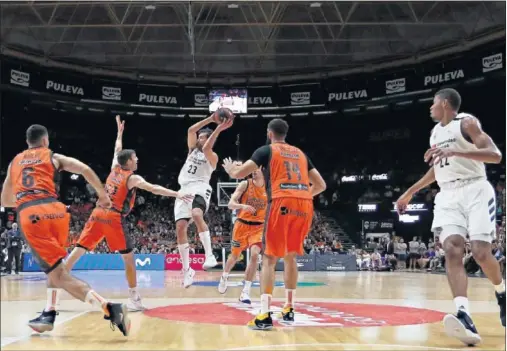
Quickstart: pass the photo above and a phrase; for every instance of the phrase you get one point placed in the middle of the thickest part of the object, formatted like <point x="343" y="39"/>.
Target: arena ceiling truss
<point x="243" y="38"/>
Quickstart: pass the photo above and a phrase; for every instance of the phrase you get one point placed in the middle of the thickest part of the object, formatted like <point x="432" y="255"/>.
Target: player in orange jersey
<point x="110" y="223"/>
<point x="31" y="187"/>
<point x="291" y="183"/>
<point x="250" y="199"/>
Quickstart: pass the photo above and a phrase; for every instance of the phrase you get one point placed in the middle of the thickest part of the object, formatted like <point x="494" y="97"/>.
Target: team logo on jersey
<point x="492" y="62"/>
<point x="34" y="218"/>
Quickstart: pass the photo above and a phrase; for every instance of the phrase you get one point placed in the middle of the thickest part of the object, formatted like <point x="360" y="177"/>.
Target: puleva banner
<point x="333" y="91"/>
<point x="103" y="262"/>
<point x="173" y="262"/>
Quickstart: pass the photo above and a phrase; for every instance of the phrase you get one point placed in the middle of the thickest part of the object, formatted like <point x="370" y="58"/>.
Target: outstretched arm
<point x="207" y="148"/>
<point x="136" y="181"/>
<point x="7" y="198"/>
<point x="192" y="132"/>
<point x="118" y="145"/>
<point x="73" y="165"/>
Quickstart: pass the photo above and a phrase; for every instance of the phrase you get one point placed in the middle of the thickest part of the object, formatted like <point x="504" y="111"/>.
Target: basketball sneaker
<point x="245" y="298"/>
<point x="45" y="322"/>
<point x="262" y="321"/>
<point x="222" y="285"/>
<point x="210" y="262"/>
<point x="135" y="304"/>
<point x="188" y="277"/>
<point x="118" y="315"/>
<point x="501" y="301"/>
<point x="287" y="315"/>
<point x="461" y="327"/>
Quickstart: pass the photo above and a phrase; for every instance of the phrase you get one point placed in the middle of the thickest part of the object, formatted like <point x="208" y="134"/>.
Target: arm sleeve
<point x="261" y="156"/>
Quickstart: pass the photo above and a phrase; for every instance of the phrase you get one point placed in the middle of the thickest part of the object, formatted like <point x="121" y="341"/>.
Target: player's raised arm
<point x="207" y="148"/>
<point x="7" y="198"/>
<point x="237" y="170"/>
<point x="136" y="181"/>
<point x="422" y="183"/>
<point x="118" y="145"/>
<point x="192" y="131"/>
<point x="234" y="203"/>
<point x="73" y="165"/>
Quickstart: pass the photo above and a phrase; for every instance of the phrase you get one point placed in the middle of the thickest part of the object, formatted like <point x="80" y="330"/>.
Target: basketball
<point x="223" y="114"/>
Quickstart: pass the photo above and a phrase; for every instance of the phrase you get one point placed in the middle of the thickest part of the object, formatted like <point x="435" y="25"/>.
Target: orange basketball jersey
<point x="288" y="172"/>
<point x="34" y="175"/>
<point x="256" y="197"/>
<point x="117" y="189"/>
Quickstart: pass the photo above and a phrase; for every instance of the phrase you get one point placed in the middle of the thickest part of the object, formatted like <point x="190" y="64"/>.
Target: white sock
<point x="185" y="255"/>
<point x="247" y="287"/>
<point x="53" y="296"/>
<point x="265" y="302"/>
<point x="225" y="275"/>
<point x="96" y="300"/>
<point x="206" y="242"/>
<point x="133" y="293"/>
<point x="290" y="297"/>
<point x="461" y="303"/>
<point x="500" y="288"/>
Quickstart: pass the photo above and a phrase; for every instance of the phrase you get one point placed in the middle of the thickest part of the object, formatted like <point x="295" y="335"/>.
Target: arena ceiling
<point x="243" y="37"/>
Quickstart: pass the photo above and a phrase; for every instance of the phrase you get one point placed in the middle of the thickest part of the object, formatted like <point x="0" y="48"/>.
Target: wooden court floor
<point x="335" y="311"/>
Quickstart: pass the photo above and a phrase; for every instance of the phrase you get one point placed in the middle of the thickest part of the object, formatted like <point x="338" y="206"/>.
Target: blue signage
<point x="103" y="262"/>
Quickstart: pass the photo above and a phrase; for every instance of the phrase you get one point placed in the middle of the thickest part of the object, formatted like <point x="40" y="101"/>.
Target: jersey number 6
<point x="27" y="179"/>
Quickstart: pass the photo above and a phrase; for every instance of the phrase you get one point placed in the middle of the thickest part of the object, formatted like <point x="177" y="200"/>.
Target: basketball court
<point x="335" y="311"/>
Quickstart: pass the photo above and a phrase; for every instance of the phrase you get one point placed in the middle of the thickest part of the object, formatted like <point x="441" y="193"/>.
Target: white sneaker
<point x="210" y="262"/>
<point x="135" y="305"/>
<point x="222" y="286"/>
<point x="245" y="298"/>
<point x="188" y="278"/>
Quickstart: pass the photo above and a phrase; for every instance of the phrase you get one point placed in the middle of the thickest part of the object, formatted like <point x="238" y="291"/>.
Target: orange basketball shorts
<point x="45" y="225"/>
<point x="108" y="224"/>
<point x="288" y="222"/>
<point x="246" y="235"/>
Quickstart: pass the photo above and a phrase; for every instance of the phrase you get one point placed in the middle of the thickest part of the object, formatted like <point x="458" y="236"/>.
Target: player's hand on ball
<point x="225" y="125"/>
<point x="188" y="198"/>
<point x="249" y="209"/>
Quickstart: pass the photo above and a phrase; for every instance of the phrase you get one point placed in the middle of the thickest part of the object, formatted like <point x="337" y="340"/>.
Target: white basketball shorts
<point x="465" y="207"/>
<point x="183" y="210"/>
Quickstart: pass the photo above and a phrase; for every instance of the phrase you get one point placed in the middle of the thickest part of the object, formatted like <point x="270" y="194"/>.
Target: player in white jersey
<point x="194" y="179"/>
<point x="459" y="148"/>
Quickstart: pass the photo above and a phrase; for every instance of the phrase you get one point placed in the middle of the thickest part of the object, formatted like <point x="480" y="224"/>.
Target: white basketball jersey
<point x="196" y="169"/>
<point x="455" y="168"/>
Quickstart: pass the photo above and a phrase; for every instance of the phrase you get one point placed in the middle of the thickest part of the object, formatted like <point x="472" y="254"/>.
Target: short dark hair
<point x="35" y="133"/>
<point x="206" y="131"/>
<point x="279" y="127"/>
<point x="452" y="96"/>
<point x="124" y="155"/>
